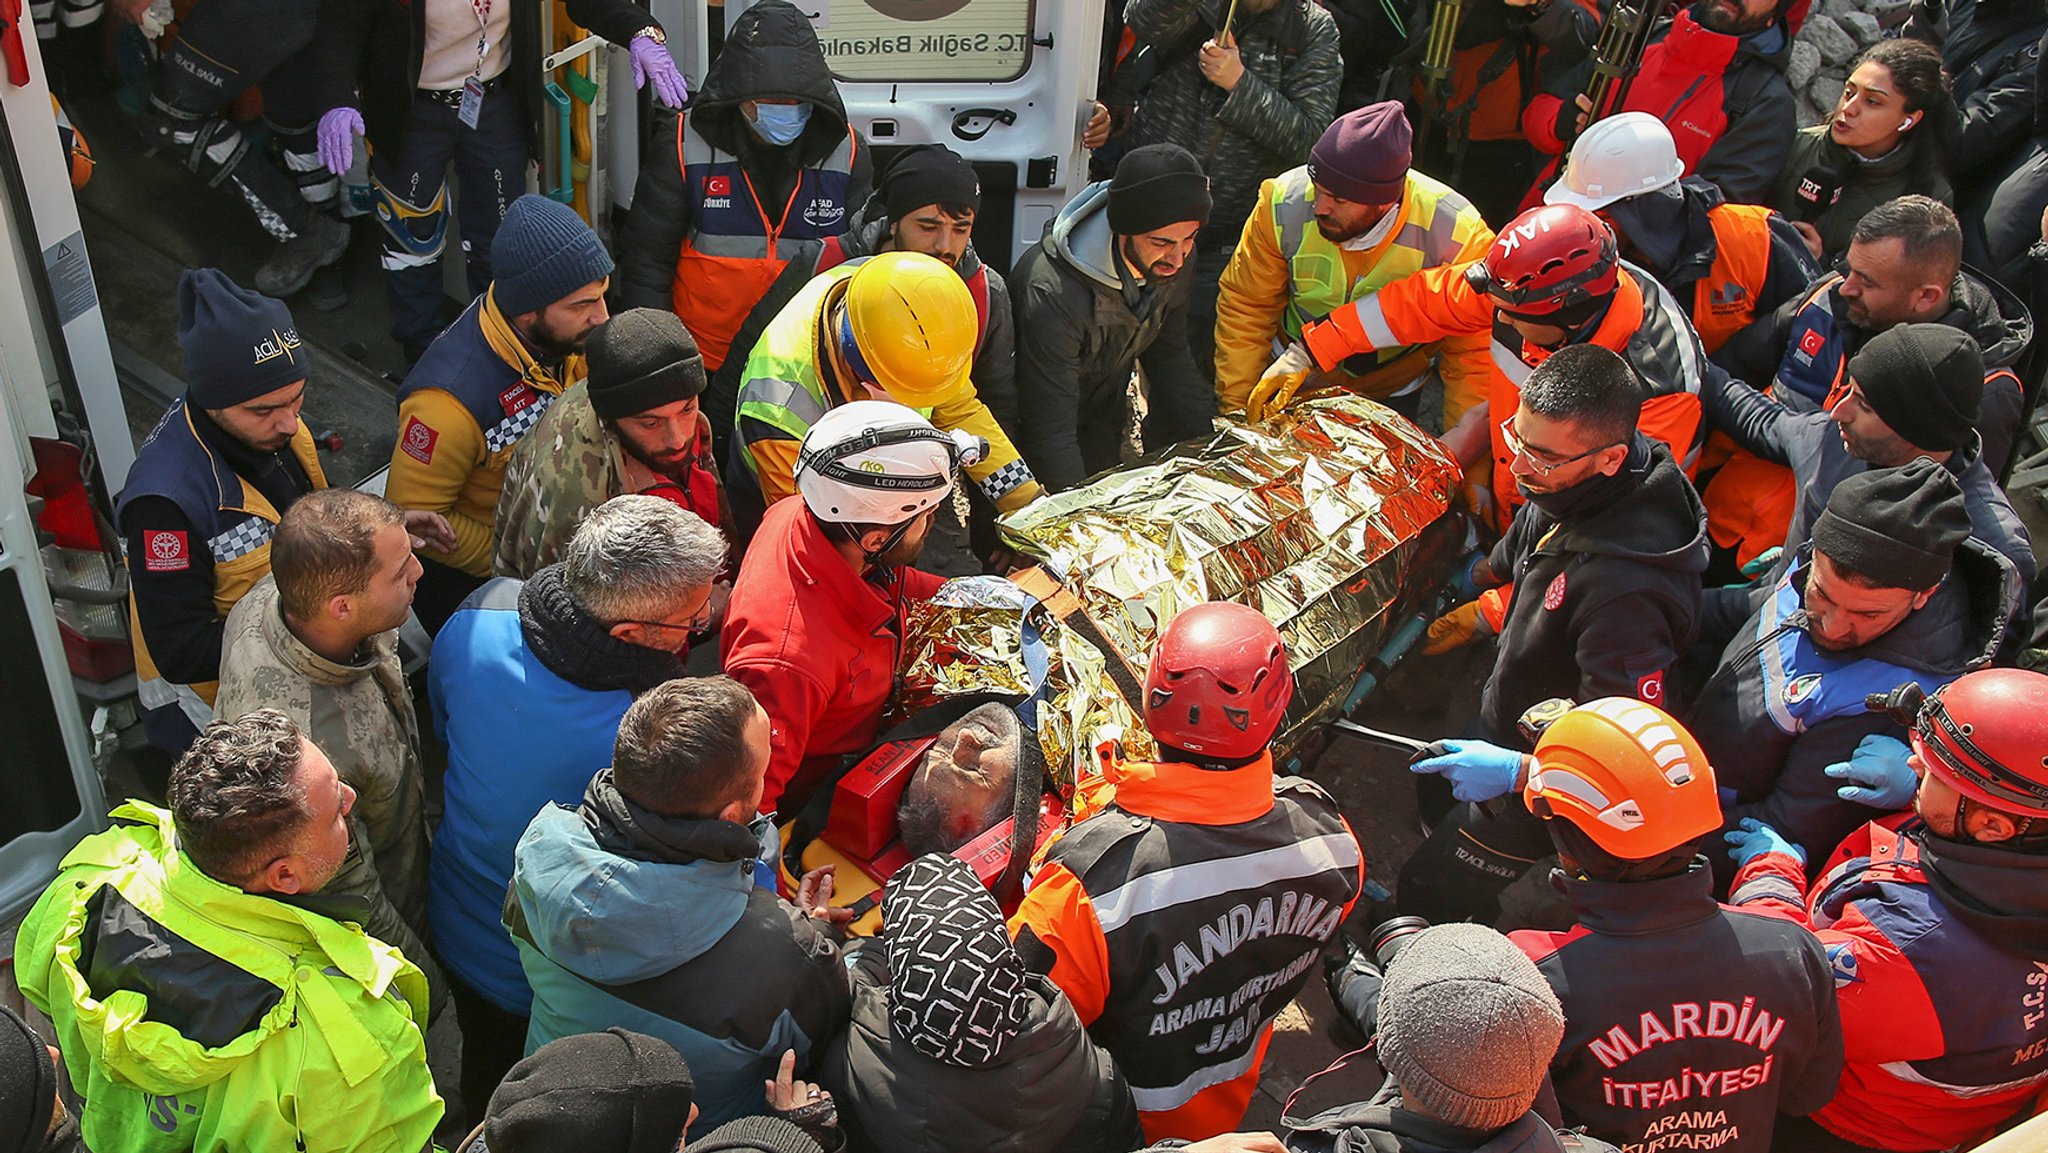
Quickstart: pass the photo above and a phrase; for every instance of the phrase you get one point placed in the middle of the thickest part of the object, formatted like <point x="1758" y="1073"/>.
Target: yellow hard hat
<point x="909" y="328"/>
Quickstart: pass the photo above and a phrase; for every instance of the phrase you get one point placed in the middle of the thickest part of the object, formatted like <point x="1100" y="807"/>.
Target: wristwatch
<point x="652" y="32"/>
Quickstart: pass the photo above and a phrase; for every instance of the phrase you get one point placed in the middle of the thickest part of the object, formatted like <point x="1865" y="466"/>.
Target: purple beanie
<point x="1363" y="156"/>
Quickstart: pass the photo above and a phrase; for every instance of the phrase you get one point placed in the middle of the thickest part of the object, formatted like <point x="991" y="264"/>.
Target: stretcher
<point x="1334" y="518"/>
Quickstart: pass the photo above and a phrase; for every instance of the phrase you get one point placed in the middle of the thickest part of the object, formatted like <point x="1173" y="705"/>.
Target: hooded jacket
<point x="1779" y="710"/>
<point x="1265" y="125"/>
<point x="1865" y="184"/>
<point x="1990" y="50"/>
<point x="192" y="1015"/>
<point x="772" y="52"/>
<point x="1730" y="264"/>
<point x="955" y="1048"/>
<point x="626" y="917"/>
<point x="1725" y="97"/>
<point x="995" y="353"/>
<point x="1383" y="1125"/>
<point x="1606" y="597"/>
<point x="1937" y="950"/>
<point x="1685" y="1020"/>
<point x="1091" y="322"/>
<point x="528" y="690"/>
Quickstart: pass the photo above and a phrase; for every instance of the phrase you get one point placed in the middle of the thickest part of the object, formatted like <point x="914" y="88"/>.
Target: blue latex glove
<point x="1877" y="773"/>
<point x="1478" y="771"/>
<point x="652" y="61"/>
<point x="1753" y="839"/>
<point x="334" y="140"/>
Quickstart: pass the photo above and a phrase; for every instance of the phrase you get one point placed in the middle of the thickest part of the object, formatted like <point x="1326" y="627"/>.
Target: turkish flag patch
<point x="1811" y="342"/>
<point x="417" y="440"/>
<point x="166" y="551"/>
<point x="718" y="186"/>
<point x="1554" y="595"/>
<point x="1650" y="688"/>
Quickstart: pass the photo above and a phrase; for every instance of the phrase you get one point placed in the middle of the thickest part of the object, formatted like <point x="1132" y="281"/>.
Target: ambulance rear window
<point x="929" y="40"/>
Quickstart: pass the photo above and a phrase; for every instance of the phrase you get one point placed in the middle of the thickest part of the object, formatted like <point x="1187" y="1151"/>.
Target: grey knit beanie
<point x="1467" y="1026"/>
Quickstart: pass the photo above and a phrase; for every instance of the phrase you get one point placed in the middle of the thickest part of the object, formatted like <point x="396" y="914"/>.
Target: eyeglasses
<point x="1540" y="465"/>
<point x="697" y="623"/>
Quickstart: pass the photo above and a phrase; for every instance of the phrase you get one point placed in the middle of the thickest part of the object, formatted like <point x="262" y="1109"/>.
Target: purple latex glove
<point x="336" y="138"/>
<point x="652" y="61"/>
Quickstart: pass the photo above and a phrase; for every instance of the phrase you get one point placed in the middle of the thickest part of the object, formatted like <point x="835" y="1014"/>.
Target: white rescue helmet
<point x="1625" y="155"/>
<point x="877" y="462"/>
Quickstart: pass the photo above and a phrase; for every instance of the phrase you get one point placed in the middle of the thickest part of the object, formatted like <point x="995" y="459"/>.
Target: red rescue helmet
<point x="1548" y="259"/>
<point x="1219" y="682"/>
<point x="1986" y="735"/>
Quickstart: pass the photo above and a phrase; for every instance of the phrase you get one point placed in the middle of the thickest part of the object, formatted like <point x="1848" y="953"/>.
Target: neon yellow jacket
<point x="784" y="391"/>
<point x="221" y="1020"/>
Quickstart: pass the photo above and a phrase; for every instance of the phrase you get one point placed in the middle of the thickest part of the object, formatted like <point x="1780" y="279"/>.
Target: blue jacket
<point x="519" y="737"/>
<point x="625" y="917"/>
<point x="1779" y="710"/>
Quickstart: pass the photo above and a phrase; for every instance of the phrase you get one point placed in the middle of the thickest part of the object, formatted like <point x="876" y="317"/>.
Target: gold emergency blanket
<point x="1303" y="516"/>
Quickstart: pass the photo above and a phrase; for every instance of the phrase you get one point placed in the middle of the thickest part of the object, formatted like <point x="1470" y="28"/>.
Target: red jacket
<point x="1725" y="98"/>
<point x="816" y="643"/>
<point x="1940" y="958"/>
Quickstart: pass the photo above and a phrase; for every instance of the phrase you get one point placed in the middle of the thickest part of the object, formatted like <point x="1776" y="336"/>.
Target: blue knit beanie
<point x="238" y="344"/>
<point x="543" y="252"/>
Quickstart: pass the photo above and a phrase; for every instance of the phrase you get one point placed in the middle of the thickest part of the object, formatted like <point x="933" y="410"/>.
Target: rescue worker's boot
<point x="1470" y="859"/>
<point x="293" y="262"/>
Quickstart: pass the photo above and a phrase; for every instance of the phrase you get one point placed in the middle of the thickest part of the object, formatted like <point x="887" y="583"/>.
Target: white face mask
<point x="781" y="124"/>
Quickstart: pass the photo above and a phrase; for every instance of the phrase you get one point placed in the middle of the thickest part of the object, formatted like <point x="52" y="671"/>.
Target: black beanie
<point x="1925" y="381"/>
<point x="28" y="1085"/>
<point x="1897" y="526"/>
<point x="609" y="1092"/>
<point x="928" y="174"/>
<point x="640" y="359"/>
<point x="238" y="344"/>
<point x="1155" y="187"/>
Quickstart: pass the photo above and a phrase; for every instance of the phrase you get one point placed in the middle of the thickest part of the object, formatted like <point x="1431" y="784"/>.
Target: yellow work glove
<point x="1281" y="380"/>
<point x="1456" y="629"/>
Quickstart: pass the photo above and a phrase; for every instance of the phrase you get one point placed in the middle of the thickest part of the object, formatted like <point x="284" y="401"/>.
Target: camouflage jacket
<point x="361" y="716"/>
<point x="568" y="465"/>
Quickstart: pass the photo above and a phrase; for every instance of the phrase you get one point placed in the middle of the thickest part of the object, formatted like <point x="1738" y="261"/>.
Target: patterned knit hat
<point x="956" y="985"/>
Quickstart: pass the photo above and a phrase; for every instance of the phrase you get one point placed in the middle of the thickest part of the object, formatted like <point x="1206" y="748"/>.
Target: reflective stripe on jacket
<point x="1285" y="273"/>
<point x="1182" y="919"/>
<point x="209" y="1018"/>
<point x="785" y="390"/>
<point x="733" y="252"/>
<point x="1643" y="324"/>
<point x="235" y="519"/>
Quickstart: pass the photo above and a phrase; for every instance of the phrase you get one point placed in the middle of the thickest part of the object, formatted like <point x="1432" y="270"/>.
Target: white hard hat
<point x="877" y="462"/>
<point x="1624" y="155"/>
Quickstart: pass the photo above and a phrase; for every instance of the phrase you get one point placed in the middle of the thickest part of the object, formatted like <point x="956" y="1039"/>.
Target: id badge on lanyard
<point x="472" y="107"/>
